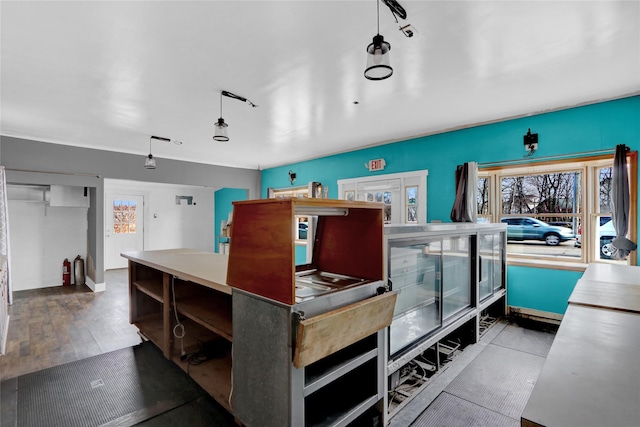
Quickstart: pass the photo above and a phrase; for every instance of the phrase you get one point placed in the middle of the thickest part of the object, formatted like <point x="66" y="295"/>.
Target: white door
<point x="124" y="220"/>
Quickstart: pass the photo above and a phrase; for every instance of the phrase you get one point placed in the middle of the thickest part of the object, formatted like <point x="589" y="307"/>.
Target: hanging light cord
<point x="234" y="96"/>
<point x="378" y="11"/>
<point x="396" y="9"/>
<point x="178" y="329"/>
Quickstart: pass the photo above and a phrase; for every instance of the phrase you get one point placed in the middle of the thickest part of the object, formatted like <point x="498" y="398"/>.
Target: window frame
<point x="397" y="183"/>
<point x="589" y="207"/>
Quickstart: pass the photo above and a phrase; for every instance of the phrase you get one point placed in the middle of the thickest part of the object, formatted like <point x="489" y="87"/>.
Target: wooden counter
<point x="204" y="268"/>
<point x="189" y="284"/>
<point x="591" y="376"/>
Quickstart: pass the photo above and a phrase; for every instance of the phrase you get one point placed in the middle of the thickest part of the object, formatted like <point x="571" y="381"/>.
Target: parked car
<point x="567" y="224"/>
<point x="606" y="233"/>
<point x="527" y="228"/>
<point x="302" y="230"/>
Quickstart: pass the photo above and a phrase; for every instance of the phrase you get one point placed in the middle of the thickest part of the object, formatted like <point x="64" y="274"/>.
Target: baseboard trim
<point x="537" y="315"/>
<point x="95" y="287"/>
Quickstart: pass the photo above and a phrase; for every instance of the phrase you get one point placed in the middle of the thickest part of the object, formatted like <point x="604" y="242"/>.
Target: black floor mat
<point x="123" y="387"/>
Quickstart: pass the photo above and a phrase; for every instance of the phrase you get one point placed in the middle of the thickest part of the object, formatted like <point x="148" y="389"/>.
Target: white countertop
<point x="612" y="273"/>
<point x="591" y="376"/>
<point x="205" y="268"/>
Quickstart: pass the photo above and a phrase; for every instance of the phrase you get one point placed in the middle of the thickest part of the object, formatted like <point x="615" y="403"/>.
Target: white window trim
<point x="407" y="179"/>
<point x="588" y="168"/>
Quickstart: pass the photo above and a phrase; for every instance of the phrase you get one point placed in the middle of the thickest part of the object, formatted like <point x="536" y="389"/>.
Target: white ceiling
<point x="110" y="74"/>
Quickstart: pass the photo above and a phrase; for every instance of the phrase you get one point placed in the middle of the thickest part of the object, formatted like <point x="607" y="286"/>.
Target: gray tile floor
<point x="489" y="384"/>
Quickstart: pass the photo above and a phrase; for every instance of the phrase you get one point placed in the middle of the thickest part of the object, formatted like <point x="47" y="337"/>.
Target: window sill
<point x="547" y="264"/>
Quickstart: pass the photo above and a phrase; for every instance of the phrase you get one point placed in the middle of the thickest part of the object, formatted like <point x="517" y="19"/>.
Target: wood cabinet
<point x="186" y="288"/>
<point x="347" y="242"/>
<point x="309" y="339"/>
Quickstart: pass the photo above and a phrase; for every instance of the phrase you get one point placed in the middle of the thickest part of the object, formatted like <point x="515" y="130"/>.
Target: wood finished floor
<point x="52" y="326"/>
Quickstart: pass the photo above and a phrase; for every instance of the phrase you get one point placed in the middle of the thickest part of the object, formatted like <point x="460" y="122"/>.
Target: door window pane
<point x="411" y="197"/>
<point x="124" y="216"/>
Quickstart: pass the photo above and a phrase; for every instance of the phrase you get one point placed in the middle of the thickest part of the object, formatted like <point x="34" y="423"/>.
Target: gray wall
<point x="35" y="162"/>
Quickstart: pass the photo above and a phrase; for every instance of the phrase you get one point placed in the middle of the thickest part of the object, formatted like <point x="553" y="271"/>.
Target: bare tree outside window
<point x="483" y="196"/>
<point x="124" y="216"/>
<point x="604" y="178"/>
<point x="541" y="194"/>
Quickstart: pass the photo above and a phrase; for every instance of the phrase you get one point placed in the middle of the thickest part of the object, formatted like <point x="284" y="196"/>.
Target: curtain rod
<point x="53" y="173"/>
<point x="558" y="157"/>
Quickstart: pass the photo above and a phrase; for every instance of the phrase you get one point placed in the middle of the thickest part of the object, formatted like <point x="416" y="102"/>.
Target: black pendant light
<point x="220" y="132"/>
<point x="220" y="127"/>
<point x="378" y="62"/>
<point x="149" y="161"/>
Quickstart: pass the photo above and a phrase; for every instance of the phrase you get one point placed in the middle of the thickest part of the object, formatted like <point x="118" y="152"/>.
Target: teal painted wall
<point x="539" y="288"/>
<point x="222" y="201"/>
<point x="568" y="132"/>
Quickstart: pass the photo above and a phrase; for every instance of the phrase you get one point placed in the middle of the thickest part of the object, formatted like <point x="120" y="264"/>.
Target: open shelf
<point x="214" y="374"/>
<point x="330" y="368"/>
<point x="153" y="288"/>
<point x="150" y="326"/>
<point x="208" y="308"/>
<point x="350" y="396"/>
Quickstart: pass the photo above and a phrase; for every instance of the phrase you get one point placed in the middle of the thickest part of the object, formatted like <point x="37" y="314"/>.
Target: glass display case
<point x="491" y="261"/>
<point x="444" y="274"/>
<point x="432" y="278"/>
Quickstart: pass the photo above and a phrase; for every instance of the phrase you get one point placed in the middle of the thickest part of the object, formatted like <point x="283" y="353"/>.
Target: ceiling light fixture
<point x="378" y="62"/>
<point x="150" y="161"/>
<point x="220" y="131"/>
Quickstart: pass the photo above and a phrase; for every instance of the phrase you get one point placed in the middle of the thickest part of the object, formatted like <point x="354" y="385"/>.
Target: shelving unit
<point x="195" y="280"/>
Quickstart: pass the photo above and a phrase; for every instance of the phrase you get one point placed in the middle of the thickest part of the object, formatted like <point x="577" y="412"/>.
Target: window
<point x="555" y="211"/>
<point x="124" y="216"/>
<point x="411" y="204"/>
<point x="404" y="195"/>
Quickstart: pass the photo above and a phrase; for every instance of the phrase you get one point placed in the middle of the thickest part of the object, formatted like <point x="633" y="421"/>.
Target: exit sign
<point x="376" y="165"/>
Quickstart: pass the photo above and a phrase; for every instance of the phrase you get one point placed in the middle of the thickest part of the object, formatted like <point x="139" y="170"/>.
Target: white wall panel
<point x="41" y="238"/>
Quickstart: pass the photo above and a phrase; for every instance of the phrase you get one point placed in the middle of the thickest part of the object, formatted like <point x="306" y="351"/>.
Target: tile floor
<point x="52" y="326"/>
<point x="487" y="385"/>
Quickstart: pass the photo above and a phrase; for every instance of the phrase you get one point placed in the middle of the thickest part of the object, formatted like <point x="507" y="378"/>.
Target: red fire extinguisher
<point x="66" y="273"/>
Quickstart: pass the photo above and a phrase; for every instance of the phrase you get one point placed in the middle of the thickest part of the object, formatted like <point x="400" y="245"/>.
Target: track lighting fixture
<point x="150" y="161"/>
<point x="378" y="62"/>
<point x="220" y="131"/>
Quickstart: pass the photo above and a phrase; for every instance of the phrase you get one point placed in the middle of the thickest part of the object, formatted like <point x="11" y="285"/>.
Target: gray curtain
<point x="465" y="207"/>
<point x="620" y="205"/>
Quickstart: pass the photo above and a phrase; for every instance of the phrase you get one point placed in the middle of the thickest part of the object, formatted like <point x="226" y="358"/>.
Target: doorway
<point x="124" y="228"/>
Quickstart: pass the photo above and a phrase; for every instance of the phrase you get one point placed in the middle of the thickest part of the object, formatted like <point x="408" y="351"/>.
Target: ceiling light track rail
<point x="238" y="97"/>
